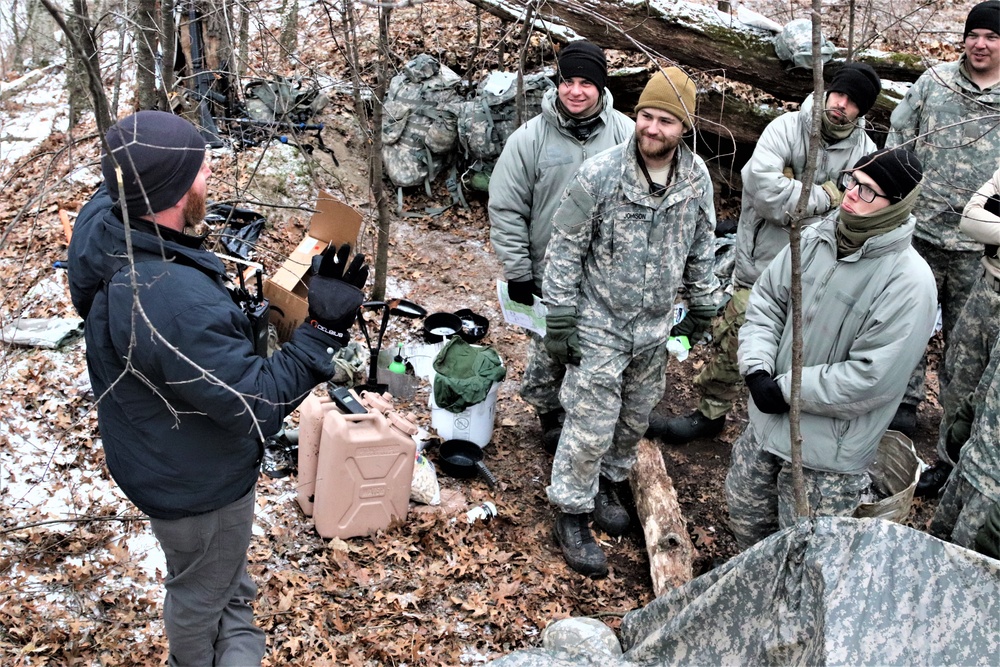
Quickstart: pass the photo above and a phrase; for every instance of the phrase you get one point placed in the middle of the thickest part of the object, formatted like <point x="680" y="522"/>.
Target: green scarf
<point x="833" y="132"/>
<point x="853" y="230"/>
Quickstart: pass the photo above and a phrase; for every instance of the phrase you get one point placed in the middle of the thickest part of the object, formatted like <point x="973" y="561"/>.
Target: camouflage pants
<point x="961" y="512"/>
<point x="761" y="499"/>
<point x="608" y="398"/>
<point x="720" y="381"/>
<point x="543" y="376"/>
<point x="968" y="352"/>
<point x="955" y="272"/>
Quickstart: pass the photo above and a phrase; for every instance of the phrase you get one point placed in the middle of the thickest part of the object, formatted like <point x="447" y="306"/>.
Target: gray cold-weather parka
<point x="866" y="321"/>
<point x="769" y="197"/>
<point x="527" y="183"/>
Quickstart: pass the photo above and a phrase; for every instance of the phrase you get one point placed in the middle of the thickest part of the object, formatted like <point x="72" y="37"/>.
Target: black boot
<point x="933" y="480"/>
<point x="572" y="533"/>
<point x="551" y="429"/>
<point x="609" y="514"/>
<point x="682" y="430"/>
<point x="905" y="420"/>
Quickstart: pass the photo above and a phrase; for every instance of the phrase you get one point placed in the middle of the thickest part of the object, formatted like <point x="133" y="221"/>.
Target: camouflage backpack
<point x="282" y="100"/>
<point x="486" y="121"/>
<point x="794" y="44"/>
<point x="419" y="133"/>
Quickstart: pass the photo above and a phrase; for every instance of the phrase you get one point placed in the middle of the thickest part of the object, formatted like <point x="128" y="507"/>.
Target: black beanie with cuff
<point x="160" y="155"/>
<point x="583" y="59"/>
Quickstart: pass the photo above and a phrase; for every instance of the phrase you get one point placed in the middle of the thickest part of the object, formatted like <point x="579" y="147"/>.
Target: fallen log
<point x="696" y="37"/>
<point x="671" y="552"/>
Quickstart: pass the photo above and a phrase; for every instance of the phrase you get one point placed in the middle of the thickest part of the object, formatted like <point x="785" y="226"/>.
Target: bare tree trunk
<point x="147" y="34"/>
<point x="85" y="48"/>
<point x="290" y="29"/>
<point x="798" y="483"/>
<point x="76" y="75"/>
<point x="168" y="42"/>
<point x="244" y="40"/>
<point x="525" y="38"/>
<point x="851" y="18"/>
<point x="376" y="170"/>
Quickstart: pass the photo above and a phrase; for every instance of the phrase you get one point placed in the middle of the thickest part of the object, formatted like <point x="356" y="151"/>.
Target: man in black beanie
<point x="578" y="120"/>
<point x="869" y="305"/>
<point x="771" y="187"/>
<point x="184" y="400"/>
<point x="948" y="118"/>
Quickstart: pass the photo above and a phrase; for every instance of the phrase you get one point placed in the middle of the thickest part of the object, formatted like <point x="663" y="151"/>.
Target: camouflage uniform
<point x="537" y="162"/>
<point x="950" y="123"/>
<point x="616" y="260"/>
<point x="968" y="353"/>
<point x="866" y="319"/>
<point x="769" y="197"/>
<point x="761" y="499"/>
<point x="974" y="485"/>
<point x="720" y="380"/>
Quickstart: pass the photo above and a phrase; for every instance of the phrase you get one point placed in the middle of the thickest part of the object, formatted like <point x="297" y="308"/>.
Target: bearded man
<point x="635" y="224"/>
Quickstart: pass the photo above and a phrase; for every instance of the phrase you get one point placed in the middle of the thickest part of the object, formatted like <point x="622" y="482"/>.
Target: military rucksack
<point x="282" y="100"/>
<point x="419" y="132"/>
<point x="486" y="121"/>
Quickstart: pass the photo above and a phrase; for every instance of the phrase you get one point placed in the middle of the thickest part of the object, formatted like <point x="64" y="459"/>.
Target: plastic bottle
<point x="398" y="365"/>
<point x="678" y="347"/>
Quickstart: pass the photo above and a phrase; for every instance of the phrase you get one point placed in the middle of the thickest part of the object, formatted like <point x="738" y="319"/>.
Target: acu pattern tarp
<point x="831" y="591"/>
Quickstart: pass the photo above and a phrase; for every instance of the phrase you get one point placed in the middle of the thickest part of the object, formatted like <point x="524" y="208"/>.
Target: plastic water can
<point x="363" y="475"/>
<point x="311" y="414"/>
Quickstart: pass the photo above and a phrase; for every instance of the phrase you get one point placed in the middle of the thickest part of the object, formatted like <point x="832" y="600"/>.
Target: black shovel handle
<point x="485" y="473"/>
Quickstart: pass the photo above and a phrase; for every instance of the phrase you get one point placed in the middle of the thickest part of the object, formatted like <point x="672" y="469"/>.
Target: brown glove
<point x="788" y="173"/>
<point x="836" y="196"/>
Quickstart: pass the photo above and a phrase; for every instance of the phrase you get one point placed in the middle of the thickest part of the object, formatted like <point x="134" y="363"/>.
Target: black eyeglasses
<point x="847" y="182"/>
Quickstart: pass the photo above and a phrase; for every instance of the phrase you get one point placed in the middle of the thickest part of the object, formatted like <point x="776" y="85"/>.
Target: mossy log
<point x="694" y="36"/>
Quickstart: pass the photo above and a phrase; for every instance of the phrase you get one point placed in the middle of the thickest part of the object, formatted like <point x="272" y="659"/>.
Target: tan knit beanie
<point x="670" y="90"/>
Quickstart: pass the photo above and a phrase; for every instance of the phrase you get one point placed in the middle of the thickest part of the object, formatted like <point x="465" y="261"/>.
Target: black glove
<point x="992" y="205"/>
<point x="335" y="291"/>
<point x="696" y="322"/>
<point x="521" y="291"/>
<point x="561" y="340"/>
<point x="766" y="393"/>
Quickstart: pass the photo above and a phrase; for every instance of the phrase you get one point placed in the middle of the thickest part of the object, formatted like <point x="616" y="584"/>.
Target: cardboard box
<point x="334" y="222"/>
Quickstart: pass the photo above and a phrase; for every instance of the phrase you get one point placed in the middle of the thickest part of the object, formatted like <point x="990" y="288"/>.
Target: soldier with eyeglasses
<point x="869" y="306"/>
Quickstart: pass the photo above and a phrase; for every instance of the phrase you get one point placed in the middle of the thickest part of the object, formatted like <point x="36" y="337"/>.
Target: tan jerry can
<point x="311" y="414"/>
<point x="363" y="475"/>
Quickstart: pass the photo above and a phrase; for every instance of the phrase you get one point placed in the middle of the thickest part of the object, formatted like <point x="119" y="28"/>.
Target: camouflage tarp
<point x="829" y="591"/>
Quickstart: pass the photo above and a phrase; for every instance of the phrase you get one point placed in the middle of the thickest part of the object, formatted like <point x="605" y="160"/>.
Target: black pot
<point x="464" y="460"/>
<point x="440" y="326"/>
<point x="474" y="326"/>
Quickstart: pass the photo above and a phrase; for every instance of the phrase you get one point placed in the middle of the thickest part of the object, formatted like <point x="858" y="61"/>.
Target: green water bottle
<point x="398" y="365"/>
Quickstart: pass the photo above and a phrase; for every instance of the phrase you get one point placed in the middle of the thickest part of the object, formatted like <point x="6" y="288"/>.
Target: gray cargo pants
<point x="207" y="611"/>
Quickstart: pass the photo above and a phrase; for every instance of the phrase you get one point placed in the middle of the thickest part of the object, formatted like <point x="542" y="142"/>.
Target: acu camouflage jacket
<point x="954" y="128"/>
<point x="618" y="255"/>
